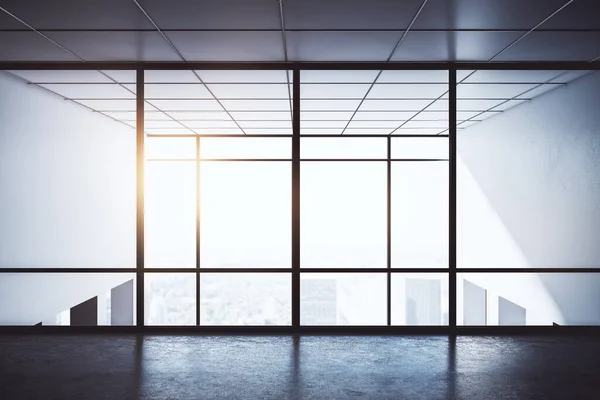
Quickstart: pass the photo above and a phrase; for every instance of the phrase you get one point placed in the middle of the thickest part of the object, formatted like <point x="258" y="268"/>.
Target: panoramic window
<point x="363" y="214"/>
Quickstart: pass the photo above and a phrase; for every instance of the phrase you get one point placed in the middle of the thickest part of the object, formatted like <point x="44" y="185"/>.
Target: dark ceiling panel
<point x="485" y="14"/>
<point x="341" y="46"/>
<point x="30" y="46"/>
<point x="214" y="14"/>
<point x="453" y="46"/>
<point x="8" y="22"/>
<point x="229" y="46"/>
<point x="116" y="46"/>
<point x="79" y="14"/>
<point x="581" y="14"/>
<point x="349" y="14"/>
<point x="554" y="46"/>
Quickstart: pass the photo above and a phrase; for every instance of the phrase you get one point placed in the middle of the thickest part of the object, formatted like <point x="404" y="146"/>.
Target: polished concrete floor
<point x="309" y="367"/>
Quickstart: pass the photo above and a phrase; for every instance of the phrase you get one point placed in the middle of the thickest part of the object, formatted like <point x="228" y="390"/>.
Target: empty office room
<point x="299" y="199"/>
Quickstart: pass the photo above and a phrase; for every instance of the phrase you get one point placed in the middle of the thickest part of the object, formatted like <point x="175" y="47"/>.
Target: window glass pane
<point x="419" y="299"/>
<point x="246" y="148"/>
<point x="419" y="214"/>
<point x="343" y="214"/>
<point x="343" y="148"/>
<point x="424" y="148"/>
<point x="170" y="214"/>
<point x="245" y="214"/>
<point x="245" y="299"/>
<point x="67" y="299"/>
<point x="528" y="299"/>
<point x="172" y="148"/>
<point x="343" y="299"/>
<point x="170" y="299"/>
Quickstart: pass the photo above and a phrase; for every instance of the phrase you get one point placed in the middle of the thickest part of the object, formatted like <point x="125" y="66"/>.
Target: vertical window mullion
<point x="198" y="230"/>
<point x="452" y="200"/>
<point x="139" y="126"/>
<point x="389" y="230"/>
<point x="296" y="200"/>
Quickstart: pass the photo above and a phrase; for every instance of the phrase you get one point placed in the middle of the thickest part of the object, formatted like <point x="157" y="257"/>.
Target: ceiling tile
<point x="260" y="115"/>
<point x="329" y="105"/>
<point x="90" y="91"/>
<point x="116" y="46"/>
<point x="287" y="124"/>
<point x="326" y="116"/>
<point x="341" y="46"/>
<point x="256" y="105"/>
<point x="109" y="105"/>
<point x="348" y="76"/>
<point x="199" y="115"/>
<point x="511" y="76"/>
<point x="249" y="91"/>
<point x="229" y="46"/>
<point x="8" y="22"/>
<point x="325" y="124"/>
<point x="493" y="91"/>
<point x="210" y="124"/>
<point x="78" y="14"/>
<point x="240" y="76"/>
<point x="176" y="91"/>
<point x="162" y="124"/>
<point x="30" y="46"/>
<point x="432" y="91"/>
<point x="168" y="131"/>
<point x="349" y="14"/>
<point x="580" y="14"/>
<point x="383" y="116"/>
<point x="554" y="46"/>
<point x="62" y="76"/>
<point x="340" y="90"/>
<point x="395" y="105"/>
<point x="214" y="14"/>
<point x="427" y="76"/>
<point x="453" y="46"/>
<point x="485" y="14"/>
<point x="123" y="76"/>
<point x="187" y="105"/>
<point x="374" y="124"/>
<point x="319" y="131"/>
<point x="131" y="115"/>
<point x="173" y="76"/>
<point x="426" y="124"/>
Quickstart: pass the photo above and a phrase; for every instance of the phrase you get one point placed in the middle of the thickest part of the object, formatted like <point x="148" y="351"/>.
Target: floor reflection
<point x="297" y="367"/>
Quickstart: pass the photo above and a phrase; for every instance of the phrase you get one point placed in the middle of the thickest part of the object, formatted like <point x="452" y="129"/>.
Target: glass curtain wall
<point x="343" y="220"/>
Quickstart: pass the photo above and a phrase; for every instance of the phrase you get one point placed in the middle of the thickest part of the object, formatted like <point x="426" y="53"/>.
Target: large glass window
<point x="342" y="299"/>
<point x="343" y="214"/>
<point x="375" y="189"/>
<point x="245" y="299"/>
<point x="245" y="214"/>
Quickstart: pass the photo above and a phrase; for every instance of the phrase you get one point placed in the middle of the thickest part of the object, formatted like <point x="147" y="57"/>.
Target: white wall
<point x="529" y="191"/>
<point x="67" y="179"/>
<point x="67" y="196"/>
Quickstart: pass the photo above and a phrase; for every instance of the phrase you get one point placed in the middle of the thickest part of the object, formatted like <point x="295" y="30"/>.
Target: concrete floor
<point x="310" y="367"/>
